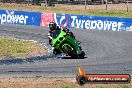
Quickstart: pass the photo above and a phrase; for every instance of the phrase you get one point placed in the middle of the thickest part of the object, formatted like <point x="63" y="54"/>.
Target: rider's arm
<point x="49" y="36"/>
<point x="62" y="28"/>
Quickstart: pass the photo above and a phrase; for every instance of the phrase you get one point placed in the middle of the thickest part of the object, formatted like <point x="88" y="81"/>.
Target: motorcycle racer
<point x="53" y="26"/>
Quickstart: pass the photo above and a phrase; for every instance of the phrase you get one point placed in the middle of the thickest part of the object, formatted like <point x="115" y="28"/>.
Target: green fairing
<point x="61" y="40"/>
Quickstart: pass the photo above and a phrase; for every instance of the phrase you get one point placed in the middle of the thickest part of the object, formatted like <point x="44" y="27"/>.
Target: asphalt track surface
<point x="106" y="52"/>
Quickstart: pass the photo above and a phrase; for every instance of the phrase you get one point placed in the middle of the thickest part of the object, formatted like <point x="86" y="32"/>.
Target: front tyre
<point x="69" y="51"/>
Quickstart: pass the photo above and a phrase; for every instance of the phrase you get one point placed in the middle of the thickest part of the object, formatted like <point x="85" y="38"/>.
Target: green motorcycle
<point x="65" y="43"/>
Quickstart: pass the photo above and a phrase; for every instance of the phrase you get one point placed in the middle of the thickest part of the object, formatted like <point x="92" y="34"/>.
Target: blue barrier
<point x="94" y="22"/>
<point x="20" y="17"/>
<point x="68" y="20"/>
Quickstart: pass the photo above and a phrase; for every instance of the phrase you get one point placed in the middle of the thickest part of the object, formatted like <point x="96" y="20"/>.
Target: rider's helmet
<point x="52" y="26"/>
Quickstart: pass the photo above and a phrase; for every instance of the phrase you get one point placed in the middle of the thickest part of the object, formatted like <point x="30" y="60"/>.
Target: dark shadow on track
<point x="26" y="60"/>
<point x="68" y="57"/>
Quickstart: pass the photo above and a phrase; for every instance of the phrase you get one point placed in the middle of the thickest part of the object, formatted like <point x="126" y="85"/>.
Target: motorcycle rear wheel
<point x="82" y="55"/>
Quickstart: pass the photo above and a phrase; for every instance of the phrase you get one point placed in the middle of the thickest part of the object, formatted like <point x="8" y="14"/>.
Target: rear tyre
<point x="82" y="55"/>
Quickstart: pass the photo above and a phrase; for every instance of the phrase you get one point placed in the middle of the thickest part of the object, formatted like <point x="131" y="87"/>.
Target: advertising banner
<point x="46" y="18"/>
<point x="94" y="22"/>
<point x="19" y="17"/>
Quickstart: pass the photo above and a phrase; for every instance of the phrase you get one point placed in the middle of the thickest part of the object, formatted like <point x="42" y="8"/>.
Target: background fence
<point x="69" y="1"/>
<point x="123" y="5"/>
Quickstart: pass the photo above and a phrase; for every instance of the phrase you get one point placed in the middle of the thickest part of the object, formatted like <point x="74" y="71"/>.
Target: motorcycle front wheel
<point x="69" y="50"/>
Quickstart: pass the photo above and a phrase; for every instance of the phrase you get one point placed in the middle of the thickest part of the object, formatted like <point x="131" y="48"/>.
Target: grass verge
<point x="19" y="48"/>
<point x="70" y="9"/>
<point x="45" y="82"/>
